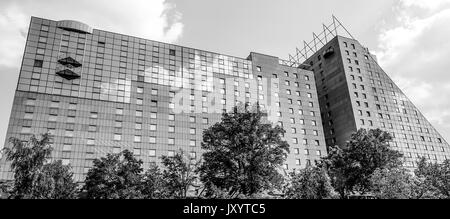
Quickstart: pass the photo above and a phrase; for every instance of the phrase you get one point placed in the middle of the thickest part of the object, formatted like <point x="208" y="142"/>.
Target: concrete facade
<point x="354" y="92"/>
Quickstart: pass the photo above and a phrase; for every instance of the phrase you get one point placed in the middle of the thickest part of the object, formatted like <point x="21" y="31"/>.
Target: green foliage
<point x="33" y="178"/>
<point x="117" y="176"/>
<point x="310" y="183"/>
<point x="352" y="166"/>
<point x="179" y="175"/>
<point x="242" y="154"/>
<point x="435" y="177"/>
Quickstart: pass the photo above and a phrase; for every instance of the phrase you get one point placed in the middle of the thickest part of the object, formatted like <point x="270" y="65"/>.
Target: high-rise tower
<point x="354" y="92"/>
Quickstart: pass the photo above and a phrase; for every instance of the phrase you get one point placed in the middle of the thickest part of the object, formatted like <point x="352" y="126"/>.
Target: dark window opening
<point x="38" y="63"/>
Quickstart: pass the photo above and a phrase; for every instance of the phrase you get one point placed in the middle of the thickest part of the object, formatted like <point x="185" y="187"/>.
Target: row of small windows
<point x="124" y="45"/>
<point x="286" y="74"/>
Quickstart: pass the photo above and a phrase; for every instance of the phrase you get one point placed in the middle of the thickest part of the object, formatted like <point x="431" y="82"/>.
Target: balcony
<point x="68" y="74"/>
<point x="69" y="62"/>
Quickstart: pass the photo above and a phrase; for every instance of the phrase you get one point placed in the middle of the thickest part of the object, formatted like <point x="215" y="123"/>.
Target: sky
<point x="409" y="37"/>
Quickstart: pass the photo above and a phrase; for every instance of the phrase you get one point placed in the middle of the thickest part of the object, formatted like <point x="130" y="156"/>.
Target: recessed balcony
<point x="328" y="53"/>
<point x="69" y="62"/>
<point x="68" y="74"/>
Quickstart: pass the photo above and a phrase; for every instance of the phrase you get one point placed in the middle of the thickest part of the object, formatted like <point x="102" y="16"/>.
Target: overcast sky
<point x="410" y="37"/>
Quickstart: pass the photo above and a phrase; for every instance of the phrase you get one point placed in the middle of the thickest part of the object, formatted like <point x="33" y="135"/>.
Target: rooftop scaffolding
<point x="319" y="40"/>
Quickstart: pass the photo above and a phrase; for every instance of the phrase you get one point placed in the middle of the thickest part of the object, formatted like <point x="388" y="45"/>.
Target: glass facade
<point x="98" y="92"/>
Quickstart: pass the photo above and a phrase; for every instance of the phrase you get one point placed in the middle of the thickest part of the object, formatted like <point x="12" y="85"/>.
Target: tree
<point x="310" y="183"/>
<point x="393" y="183"/>
<point x="118" y="176"/>
<point x="54" y="181"/>
<point x="179" y="175"/>
<point x="153" y="186"/>
<point x="33" y="178"/>
<point x="435" y="176"/>
<point x="6" y="188"/>
<point x="352" y="166"/>
<point x="27" y="158"/>
<point x="242" y="154"/>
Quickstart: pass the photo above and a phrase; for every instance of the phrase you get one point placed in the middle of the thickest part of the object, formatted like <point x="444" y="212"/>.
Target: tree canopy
<point x="34" y="177"/>
<point x="116" y="176"/>
<point x="243" y="154"/>
<point x="351" y="167"/>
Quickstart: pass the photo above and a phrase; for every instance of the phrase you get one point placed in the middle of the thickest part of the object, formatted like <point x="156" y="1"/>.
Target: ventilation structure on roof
<point x="75" y="26"/>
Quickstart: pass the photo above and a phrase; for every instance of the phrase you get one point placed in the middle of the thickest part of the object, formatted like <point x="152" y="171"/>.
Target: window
<point x="171" y="141"/>
<point x="171" y="129"/>
<point x="137" y="151"/>
<point x="44" y="28"/>
<point x="171" y="117"/>
<point x="28" y="116"/>
<point x="38" y="63"/>
<point x="92" y="128"/>
<point x="152" y="153"/>
<point x="117" y="137"/>
<point x="317" y="143"/>
<point x="138" y="113"/>
<point x="138" y="126"/>
<point x="192" y="143"/>
<point x="258" y="68"/>
<point x="40" y="51"/>
<point x="152" y="140"/>
<point x="172" y="52"/>
<point x="90" y="142"/>
<point x="137" y="138"/>
<point x="315" y="133"/>
<point x="94" y="115"/>
<point x="306" y="152"/>
<point x="26" y="130"/>
<point x="119" y="111"/>
<point x="171" y="154"/>
<point x="42" y="39"/>
<point x="69" y="133"/>
<point x="65" y="162"/>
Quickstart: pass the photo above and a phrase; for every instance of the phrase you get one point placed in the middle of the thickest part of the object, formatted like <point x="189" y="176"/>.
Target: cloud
<point x="415" y="51"/>
<point x="155" y="20"/>
<point x="425" y="4"/>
